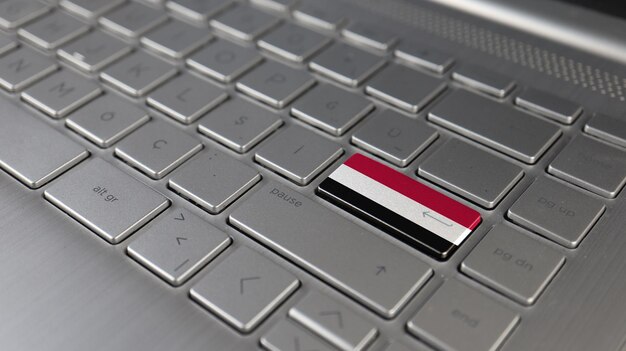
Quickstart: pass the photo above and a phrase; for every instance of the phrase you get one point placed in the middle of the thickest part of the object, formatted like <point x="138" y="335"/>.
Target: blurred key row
<point x="507" y="259"/>
<point x="178" y="244"/>
<point x="186" y="98"/>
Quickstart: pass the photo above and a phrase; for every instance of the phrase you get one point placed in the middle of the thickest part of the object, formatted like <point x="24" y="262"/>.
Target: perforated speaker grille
<point x="501" y="46"/>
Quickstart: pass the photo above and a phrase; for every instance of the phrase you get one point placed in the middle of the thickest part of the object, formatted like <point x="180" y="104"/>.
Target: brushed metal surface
<point x="576" y="26"/>
<point x="63" y="288"/>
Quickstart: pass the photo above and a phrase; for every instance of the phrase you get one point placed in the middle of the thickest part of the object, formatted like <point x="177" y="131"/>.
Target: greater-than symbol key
<point x="243" y="280"/>
<point x="173" y="256"/>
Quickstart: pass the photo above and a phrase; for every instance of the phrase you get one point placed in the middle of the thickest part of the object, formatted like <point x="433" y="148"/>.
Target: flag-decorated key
<point x="403" y="207"/>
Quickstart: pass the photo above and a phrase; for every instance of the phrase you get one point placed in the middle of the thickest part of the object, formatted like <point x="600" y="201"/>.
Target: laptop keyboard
<point x="242" y="109"/>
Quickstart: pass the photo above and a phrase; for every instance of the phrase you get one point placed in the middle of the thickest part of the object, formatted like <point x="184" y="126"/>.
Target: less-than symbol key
<point x="182" y="94"/>
<point x="176" y="246"/>
<point x="242" y="280"/>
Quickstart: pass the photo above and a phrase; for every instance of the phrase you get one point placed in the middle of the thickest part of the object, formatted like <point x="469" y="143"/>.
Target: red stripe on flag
<point x="415" y="190"/>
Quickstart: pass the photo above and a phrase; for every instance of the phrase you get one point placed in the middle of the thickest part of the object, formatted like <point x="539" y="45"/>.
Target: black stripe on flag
<point x="385" y="219"/>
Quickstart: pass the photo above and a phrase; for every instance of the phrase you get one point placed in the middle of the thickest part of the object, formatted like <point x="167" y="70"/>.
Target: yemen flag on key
<point x="403" y="207"/>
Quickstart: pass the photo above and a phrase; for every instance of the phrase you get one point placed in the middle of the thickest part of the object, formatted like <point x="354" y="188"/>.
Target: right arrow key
<point x="333" y="322"/>
<point x="403" y="207"/>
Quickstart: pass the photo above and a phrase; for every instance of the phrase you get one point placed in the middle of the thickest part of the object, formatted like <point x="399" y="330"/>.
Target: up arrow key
<point x="381" y="269"/>
<point x="334" y="322"/>
<point x="180" y="238"/>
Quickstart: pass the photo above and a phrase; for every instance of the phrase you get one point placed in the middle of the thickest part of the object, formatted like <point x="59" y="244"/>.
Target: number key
<point x="14" y="13"/>
<point x="53" y="30"/>
<point x="244" y="23"/>
<point x="314" y="15"/>
<point x="369" y="34"/>
<point x="176" y="39"/>
<point x="197" y="10"/>
<point x="293" y="42"/>
<point x="133" y="20"/>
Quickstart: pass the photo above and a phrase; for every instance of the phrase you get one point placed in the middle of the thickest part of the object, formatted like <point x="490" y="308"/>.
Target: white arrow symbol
<point x="427" y="214"/>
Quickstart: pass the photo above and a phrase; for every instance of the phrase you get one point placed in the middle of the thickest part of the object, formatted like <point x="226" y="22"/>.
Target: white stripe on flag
<point x="400" y="204"/>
